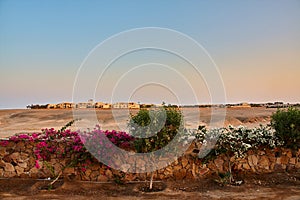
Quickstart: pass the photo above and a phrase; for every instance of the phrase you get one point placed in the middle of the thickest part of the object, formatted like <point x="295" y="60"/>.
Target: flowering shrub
<point x="237" y="141"/>
<point x="65" y="143"/>
<point x="98" y="145"/>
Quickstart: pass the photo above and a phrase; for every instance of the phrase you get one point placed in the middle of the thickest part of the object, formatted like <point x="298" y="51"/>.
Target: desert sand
<point x="14" y="121"/>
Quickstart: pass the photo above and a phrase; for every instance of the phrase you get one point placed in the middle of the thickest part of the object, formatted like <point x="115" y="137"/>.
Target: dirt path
<point x="268" y="186"/>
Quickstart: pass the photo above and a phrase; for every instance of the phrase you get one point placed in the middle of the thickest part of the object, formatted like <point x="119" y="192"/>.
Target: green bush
<point x="157" y="128"/>
<point x="287" y="126"/>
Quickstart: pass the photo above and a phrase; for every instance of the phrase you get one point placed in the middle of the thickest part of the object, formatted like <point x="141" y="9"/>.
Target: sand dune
<point x="24" y="120"/>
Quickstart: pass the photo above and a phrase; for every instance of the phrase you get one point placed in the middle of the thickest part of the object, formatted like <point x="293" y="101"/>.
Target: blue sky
<point x="255" y="44"/>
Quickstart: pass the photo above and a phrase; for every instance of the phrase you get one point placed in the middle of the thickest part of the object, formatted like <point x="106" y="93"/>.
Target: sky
<point x="255" y="46"/>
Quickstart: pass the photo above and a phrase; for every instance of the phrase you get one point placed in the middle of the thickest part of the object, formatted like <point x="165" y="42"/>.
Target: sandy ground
<point x="281" y="186"/>
<point x="24" y="120"/>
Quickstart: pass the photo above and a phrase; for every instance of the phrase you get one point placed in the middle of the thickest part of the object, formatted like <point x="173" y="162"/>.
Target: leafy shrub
<point x="157" y="128"/>
<point x="287" y="126"/>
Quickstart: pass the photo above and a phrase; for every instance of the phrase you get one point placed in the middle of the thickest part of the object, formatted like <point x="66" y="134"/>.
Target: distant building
<point x="82" y="105"/>
<point x="120" y="105"/>
<point x="240" y="105"/>
<point x="106" y="106"/>
<point x="51" y="106"/>
<point x="99" y="105"/>
<point x="132" y="105"/>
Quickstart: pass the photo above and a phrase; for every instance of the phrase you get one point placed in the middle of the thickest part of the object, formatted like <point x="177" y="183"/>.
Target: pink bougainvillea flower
<point x="37" y="165"/>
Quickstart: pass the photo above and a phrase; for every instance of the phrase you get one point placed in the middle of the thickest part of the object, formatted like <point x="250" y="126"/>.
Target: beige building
<point x="65" y="105"/>
<point x="51" y="106"/>
<point x="120" y="105"/>
<point x="107" y="106"/>
<point x="99" y="104"/>
<point x="133" y="105"/>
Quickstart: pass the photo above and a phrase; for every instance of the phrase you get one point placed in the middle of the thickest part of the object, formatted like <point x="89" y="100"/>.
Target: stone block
<point x="19" y="170"/>
<point x="246" y="166"/>
<point x="284" y="160"/>
<point x="9" y="167"/>
<point x="264" y="162"/>
<point x="23" y="165"/>
<point x="184" y="162"/>
<point x="15" y="156"/>
<point x="179" y="174"/>
<point x="2" y="152"/>
<point x="102" y="178"/>
<point x="292" y="161"/>
<point x="219" y="164"/>
<point x="203" y="171"/>
<point x="252" y="160"/>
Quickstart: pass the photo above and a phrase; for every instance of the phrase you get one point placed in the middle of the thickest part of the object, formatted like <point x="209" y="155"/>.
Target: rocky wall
<point x="17" y="160"/>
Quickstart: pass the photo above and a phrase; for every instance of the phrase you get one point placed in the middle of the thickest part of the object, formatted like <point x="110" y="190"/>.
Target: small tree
<point x="158" y="128"/>
<point x="287" y="126"/>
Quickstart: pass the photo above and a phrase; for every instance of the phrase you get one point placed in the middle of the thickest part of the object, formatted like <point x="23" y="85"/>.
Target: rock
<point x="69" y="170"/>
<point x="57" y="168"/>
<point x="20" y="146"/>
<point x="33" y="170"/>
<point x="130" y="177"/>
<point x="177" y="167"/>
<point x="212" y="166"/>
<point x="102" y="178"/>
<point x="94" y="167"/>
<point x="9" y="174"/>
<point x="292" y="161"/>
<point x="284" y="160"/>
<point x="272" y="159"/>
<point x="19" y="170"/>
<point x="109" y="174"/>
<point x="184" y="162"/>
<point x="7" y="159"/>
<point x="2" y="152"/>
<point x="88" y="172"/>
<point x="15" y="156"/>
<point x="189" y="175"/>
<point x="264" y="162"/>
<point x="2" y="163"/>
<point x="203" y="171"/>
<point x="161" y="176"/>
<point x="23" y="165"/>
<point x="85" y="177"/>
<point x="246" y="166"/>
<point x="278" y="161"/>
<point x="289" y="154"/>
<point x="238" y="166"/>
<point x="252" y="160"/>
<point x="219" y="164"/>
<point x="9" y="167"/>
<point x="297" y="165"/>
<point x="167" y="173"/>
<point x="94" y="175"/>
<point x="290" y="167"/>
<point x="179" y="174"/>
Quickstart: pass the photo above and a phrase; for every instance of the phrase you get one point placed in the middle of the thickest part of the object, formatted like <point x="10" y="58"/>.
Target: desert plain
<point x="13" y="121"/>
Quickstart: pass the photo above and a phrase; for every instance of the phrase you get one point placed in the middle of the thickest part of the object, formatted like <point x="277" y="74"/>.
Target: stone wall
<point x="17" y="160"/>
